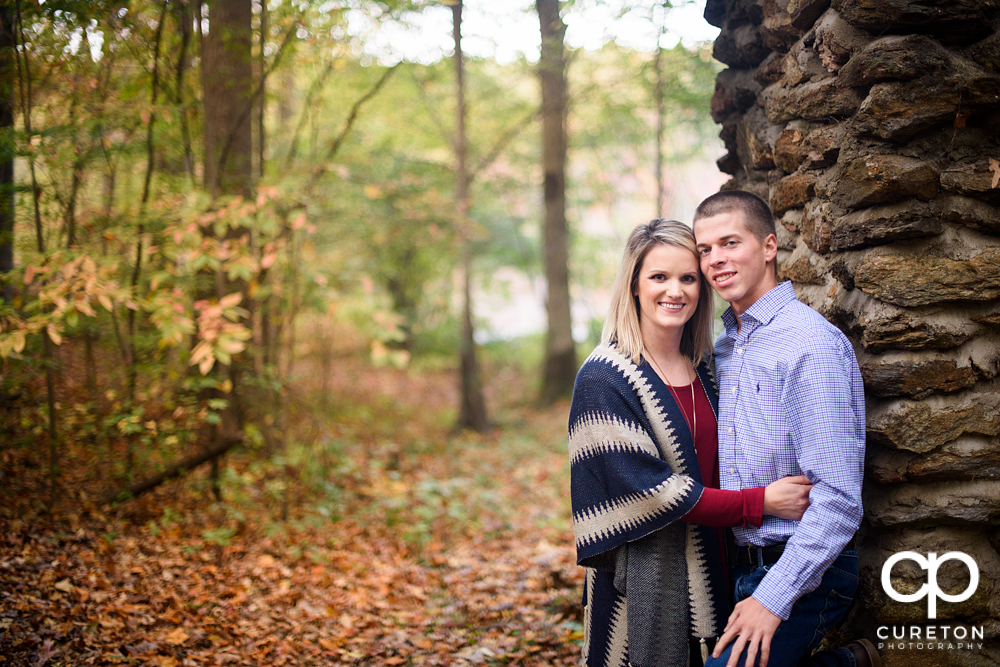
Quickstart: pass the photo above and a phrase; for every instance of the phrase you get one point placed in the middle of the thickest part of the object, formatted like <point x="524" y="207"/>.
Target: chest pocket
<point x="760" y="417"/>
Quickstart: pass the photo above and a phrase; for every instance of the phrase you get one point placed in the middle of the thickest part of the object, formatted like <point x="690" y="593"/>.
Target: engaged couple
<point x="672" y="441"/>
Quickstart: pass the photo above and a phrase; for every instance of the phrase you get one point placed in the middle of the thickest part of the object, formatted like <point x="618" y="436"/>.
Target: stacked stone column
<point x="873" y="129"/>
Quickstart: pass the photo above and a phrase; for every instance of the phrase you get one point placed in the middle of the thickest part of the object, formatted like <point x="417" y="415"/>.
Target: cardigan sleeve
<point x="621" y="488"/>
<point x="724" y="509"/>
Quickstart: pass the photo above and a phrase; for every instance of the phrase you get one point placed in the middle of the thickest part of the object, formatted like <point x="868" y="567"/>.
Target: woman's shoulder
<point x="607" y="359"/>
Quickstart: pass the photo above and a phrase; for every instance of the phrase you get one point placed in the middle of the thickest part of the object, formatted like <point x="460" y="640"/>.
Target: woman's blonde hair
<point x="622" y="325"/>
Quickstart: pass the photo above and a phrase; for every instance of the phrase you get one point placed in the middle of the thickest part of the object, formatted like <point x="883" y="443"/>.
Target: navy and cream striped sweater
<point x="652" y="582"/>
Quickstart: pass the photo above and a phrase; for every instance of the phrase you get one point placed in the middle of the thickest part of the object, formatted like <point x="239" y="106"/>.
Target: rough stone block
<point x="770" y="70"/>
<point x="735" y="91"/>
<point x="882" y="224"/>
<point x="729" y="163"/>
<point x="971" y="213"/>
<point x="969" y="457"/>
<point x="816" y="222"/>
<point x="803" y="64"/>
<point x="894" y="58"/>
<point x="898" y="110"/>
<point x="971" y="180"/>
<point x="878" y="179"/>
<point x="957" y="21"/>
<point x="817" y="100"/>
<point x="715" y="12"/>
<point x="788" y="153"/>
<point x="969" y="502"/>
<point x="816" y="149"/>
<point x="890" y="328"/>
<point x="920" y="426"/>
<point x="837" y="40"/>
<point x="740" y="46"/>
<point x="786" y="20"/>
<point x="755" y="138"/>
<point x="916" y="378"/>
<point x="987" y="52"/>
<point x="919" y="280"/>
<point x="792" y="192"/>
<point x="800" y="268"/>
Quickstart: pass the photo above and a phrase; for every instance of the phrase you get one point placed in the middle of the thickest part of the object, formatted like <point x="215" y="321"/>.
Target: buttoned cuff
<point x="778" y="594"/>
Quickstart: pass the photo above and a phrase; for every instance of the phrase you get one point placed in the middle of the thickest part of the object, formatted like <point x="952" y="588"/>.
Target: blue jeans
<point x="812" y="616"/>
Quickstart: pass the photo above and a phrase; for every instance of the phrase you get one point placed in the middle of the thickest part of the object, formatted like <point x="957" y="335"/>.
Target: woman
<point x="647" y="510"/>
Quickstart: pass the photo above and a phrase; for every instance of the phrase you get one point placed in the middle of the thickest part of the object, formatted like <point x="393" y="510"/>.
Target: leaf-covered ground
<point x="405" y="544"/>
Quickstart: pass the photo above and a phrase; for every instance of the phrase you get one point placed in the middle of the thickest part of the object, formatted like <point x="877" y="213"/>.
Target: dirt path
<point x="408" y="546"/>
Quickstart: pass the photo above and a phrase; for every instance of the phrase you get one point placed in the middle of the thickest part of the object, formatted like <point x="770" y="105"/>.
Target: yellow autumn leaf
<point x="53" y="334"/>
<point x="177" y="637"/>
<point x="231" y="300"/>
<point x="65" y="586"/>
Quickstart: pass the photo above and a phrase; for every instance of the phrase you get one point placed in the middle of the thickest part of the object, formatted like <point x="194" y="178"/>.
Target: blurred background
<point x="295" y="291"/>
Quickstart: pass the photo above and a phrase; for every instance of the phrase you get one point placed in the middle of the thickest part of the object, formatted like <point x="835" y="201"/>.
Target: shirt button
<point x="739" y="351"/>
<point x="734" y="390"/>
<point x="732" y="471"/>
<point x="730" y="429"/>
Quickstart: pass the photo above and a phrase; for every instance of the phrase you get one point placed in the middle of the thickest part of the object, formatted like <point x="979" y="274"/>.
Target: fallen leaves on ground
<point x="438" y="550"/>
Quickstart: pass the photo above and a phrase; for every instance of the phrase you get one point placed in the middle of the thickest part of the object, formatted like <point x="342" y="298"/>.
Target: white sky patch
<point x="507" y="30"/>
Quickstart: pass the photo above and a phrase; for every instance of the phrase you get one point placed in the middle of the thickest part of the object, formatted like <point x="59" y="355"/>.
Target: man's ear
<point x="770" y="247"/>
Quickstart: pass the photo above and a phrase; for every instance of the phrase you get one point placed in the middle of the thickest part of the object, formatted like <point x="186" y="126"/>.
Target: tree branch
<point x="183" y="466"/>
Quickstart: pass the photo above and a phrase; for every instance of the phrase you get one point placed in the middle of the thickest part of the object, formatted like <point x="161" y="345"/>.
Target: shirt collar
<point x="763" y="309"/>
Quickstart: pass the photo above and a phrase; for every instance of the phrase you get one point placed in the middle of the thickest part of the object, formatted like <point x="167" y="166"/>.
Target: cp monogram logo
<point x="931" y="589"/>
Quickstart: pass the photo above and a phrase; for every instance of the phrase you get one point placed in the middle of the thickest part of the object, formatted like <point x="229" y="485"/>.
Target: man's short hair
<point x="757" y="214"/>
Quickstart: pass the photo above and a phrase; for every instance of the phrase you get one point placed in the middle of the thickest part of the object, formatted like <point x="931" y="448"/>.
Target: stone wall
<point x="873" y="129"/>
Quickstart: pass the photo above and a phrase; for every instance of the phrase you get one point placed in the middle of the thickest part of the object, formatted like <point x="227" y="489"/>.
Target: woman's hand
<point x="787" y="498"/>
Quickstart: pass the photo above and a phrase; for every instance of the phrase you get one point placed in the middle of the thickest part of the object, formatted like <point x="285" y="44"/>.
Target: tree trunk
<point x="8" y="80"/>
<point x="473" y="408"/>
<point x="227" y="80"/>
<point x="560" y="353"/>
<point x="227" y="96"/>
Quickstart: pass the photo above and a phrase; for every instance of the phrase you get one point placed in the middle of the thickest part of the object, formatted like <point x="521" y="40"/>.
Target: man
<point x="791" y="403"/>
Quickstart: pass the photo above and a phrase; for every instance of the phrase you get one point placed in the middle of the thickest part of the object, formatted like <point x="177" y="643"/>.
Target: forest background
<point x="293" y="298"/>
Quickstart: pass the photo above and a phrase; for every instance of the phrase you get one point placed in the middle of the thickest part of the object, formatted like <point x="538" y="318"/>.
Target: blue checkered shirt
<point x="791" y="402"/>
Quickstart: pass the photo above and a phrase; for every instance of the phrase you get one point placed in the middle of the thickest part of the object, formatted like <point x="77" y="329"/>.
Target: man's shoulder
<point x="807" y="324"/>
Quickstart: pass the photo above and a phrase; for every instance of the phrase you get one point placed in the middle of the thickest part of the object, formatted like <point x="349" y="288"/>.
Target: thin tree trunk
<point x="227" y="79"/>
<point x="473" y="408"/>
<point x="261" y="99"/>
<point x="560" y="353"/>
<point x="184" y="20"/>
<point x="133" y="370"/>
<point x="8" y="77"/>
<point x="47" y="357"/>
<point x="660" y="120"/>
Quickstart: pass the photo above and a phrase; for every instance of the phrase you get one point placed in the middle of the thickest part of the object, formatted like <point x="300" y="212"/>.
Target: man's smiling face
<point x="737" y="265"/>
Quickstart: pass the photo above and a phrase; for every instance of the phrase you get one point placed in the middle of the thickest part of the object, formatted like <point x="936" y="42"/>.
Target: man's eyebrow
<point x="721" y="238"/>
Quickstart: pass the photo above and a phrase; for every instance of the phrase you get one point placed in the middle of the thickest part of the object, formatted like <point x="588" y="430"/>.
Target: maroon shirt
<point x="716" y="507"/>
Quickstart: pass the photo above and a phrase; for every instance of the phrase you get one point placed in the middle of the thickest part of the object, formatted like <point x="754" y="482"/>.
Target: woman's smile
<point x="667" y="287"/>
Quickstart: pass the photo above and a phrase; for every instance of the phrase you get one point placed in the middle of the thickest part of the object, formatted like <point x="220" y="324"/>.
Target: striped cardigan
<point x="652" y="582"/>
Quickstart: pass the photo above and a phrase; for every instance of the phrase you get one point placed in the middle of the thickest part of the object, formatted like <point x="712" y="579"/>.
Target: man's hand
<point x="788" y="497"/>
<point x="755" y="625"/>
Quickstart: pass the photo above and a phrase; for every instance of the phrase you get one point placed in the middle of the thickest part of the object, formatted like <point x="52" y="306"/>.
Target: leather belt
<point x="748" y="554"/>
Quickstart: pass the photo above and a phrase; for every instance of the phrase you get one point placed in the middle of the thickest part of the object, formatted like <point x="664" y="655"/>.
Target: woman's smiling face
<point x="668" y="286"/>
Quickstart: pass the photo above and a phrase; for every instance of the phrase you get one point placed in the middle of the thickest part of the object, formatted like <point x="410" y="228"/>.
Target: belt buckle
<point x="752" y="555"/>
